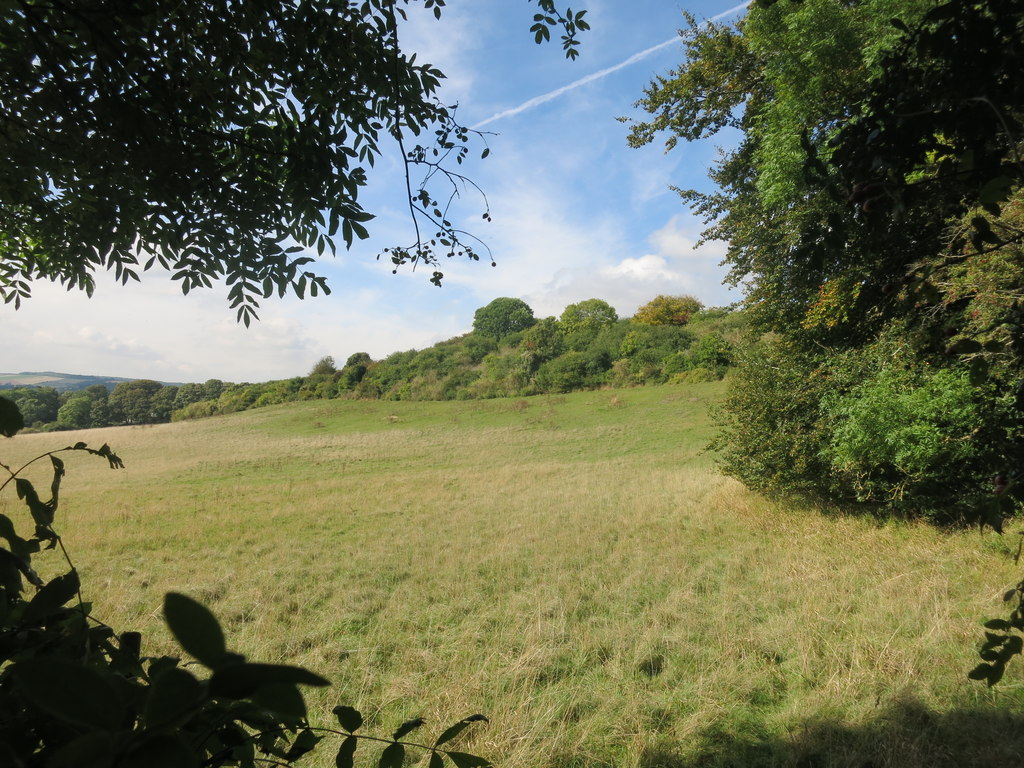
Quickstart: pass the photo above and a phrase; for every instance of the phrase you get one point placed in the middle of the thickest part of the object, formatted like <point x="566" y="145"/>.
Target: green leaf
<point x="195" y="628"/>
<point x="436" y="761"/>
<point x="174" y="694"/>
<point x="51" y="597"/>
<point x="407" y="727"/>
<point x="392" y="757"/>
<point x="18" y="545"/>
<point x="92" y="750"/>
<point x="346" y="752"/>
<point x="70" y="692"/>
<point x="12" y="568"/>
<point x="11" y="420"/>
<point x="240" y="680"/>
<point x="349" y="717"/>
<point x="42" y="515"/>
<point x="160" y="750"/>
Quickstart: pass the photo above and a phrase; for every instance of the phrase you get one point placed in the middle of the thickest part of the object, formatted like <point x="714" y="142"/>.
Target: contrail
<point x="536" y="101"/>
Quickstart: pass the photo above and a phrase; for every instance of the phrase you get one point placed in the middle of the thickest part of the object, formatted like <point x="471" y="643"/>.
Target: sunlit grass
<point x="572" y="567"/>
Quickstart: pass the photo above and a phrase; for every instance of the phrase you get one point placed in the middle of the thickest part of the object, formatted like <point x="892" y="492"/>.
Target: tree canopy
<point x="587" y="315"/>
<point x="217" y="140"/>
<point x="668" y="310"/>
<point x="503" y="316"/>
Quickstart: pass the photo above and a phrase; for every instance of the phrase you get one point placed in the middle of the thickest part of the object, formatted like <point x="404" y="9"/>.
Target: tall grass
<point x="572" y="567"/>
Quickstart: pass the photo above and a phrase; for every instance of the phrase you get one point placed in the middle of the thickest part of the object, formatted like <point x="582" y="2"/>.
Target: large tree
<point x="218" y="139"/>
<point x="870" y="210"/>
<point x="503" y="316"/>
<point x="668" y="310"/>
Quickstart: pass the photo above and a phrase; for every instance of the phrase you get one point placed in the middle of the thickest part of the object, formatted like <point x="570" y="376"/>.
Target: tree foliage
<point x="217" y="140"/>
<point x="668" y="310"/>
<point x="582" y="322"/>
<point x="869" y="208"/>
<point x="132" y="402"/>
<point x="474" y="365"/>
<point x="502" y="317"/>
<point x="323" y="367"/>
<point x="540" y="359"/>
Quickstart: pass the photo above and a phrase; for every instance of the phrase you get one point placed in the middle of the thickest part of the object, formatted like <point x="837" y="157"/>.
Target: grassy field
<point x="573" y="567"/>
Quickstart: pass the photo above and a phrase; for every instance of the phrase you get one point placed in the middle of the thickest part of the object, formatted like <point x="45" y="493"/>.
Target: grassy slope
<point x="571" y="566"/>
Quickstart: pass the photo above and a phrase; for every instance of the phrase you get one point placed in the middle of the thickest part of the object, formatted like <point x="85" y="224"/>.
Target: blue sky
<point x="577" y="214"/>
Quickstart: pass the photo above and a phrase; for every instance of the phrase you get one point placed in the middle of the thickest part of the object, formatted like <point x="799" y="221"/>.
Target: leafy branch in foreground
<point x="219" y="141"/>
<point x="76" y="694"/>
<point x="1004" y="638"/>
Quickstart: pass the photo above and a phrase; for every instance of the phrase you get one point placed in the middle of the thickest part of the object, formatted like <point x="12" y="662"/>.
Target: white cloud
<point x="673" y="267"/>
<point x="445" y="44"/>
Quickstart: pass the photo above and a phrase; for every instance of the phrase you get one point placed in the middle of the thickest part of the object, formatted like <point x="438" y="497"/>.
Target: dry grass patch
<point x="586" y="580"/>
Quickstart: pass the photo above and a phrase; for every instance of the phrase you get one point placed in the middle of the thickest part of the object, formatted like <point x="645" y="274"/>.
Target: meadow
<point x="572" y="567"/>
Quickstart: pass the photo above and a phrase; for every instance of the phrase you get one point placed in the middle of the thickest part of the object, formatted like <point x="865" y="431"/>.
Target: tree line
<point x="509" y="353"/>
<point x="142" y="401"/>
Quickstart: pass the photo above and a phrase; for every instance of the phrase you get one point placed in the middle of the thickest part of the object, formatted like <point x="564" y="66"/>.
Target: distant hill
<point x="62" y="382"/>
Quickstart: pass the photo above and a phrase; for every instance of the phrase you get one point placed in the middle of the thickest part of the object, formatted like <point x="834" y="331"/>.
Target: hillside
<point x="509" y="353"/>
<point x="62" y="382"/>
<point x="570" y="565"/>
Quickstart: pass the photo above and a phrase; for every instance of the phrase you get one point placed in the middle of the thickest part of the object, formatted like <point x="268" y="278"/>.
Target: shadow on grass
<point x="905" y="735"/>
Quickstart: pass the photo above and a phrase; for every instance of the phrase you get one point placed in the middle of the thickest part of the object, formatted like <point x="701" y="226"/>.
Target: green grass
<point x="573" y="567"/>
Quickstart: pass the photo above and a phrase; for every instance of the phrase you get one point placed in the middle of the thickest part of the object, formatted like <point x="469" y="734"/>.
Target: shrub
<point x="200" y="410"/>
<point x="564" y="374"/>
<point x="694" y="376"/>
<point x="713" y="352"/>
<point x="771" y="432"/>
<point x="901" y="435"/>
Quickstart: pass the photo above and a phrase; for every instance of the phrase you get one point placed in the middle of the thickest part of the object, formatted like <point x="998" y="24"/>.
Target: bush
<point x="694" y="376"/>
<point x="713" y="352"/>
<point x="565" y="373"/>
<point x="771" y="434"/>
<point x="874" y="428"/>
<point x="903" y="437"/>
<point x="200" y="410"/>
